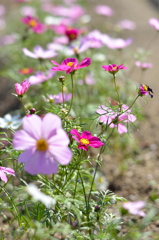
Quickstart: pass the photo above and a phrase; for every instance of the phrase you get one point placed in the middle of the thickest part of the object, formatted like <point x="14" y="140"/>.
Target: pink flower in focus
<point x="154" y="23"/>
<point x="39" y="53"/>
<point x="21" y="89"/>
<point x="126" y="24"/>
<point x="45" y="144"/>
<point x="25" y="71"/>
<point x="71" y="64"/>
<point x="86" y="139"/>
<point x="104" y="10"/>
<point x="58" y="98"/>
<point x="109" y="117"/>
<point x="143" y="65"/>
<point x="134" y="208"/>
<point x="145" y="90"/>
<point x="117" y="43"/>
<point x="113" y="68"/>
<point x="3" y="171"/>
<point x="40" y="77"/>
<point x="34" y="24"/>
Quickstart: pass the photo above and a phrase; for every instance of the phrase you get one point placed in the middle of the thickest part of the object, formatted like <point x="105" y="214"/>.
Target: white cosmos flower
<point x="39" y="196"/>
<point x="10" y="122"/>
<point x="101" y="182"/>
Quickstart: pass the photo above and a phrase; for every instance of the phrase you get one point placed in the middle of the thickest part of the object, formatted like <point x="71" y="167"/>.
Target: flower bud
<point x="61" y="79"/>
<point x="32" y="110"/>
<point x="96" y="208"/>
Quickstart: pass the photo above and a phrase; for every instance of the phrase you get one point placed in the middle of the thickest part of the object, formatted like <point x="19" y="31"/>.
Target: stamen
<point x="33" y="23"/>
<point x="84" y="141"/>
<point x="41" y="145"/>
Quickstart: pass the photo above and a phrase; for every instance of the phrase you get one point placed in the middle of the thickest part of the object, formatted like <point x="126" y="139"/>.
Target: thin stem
<point x="72" y="95"/>
<point x="116" y="90"/>
<point x="75" y="186"/>
<point x="63" y="95"/>
<point x="131" y="104"/>
<point x="24" y="106"/>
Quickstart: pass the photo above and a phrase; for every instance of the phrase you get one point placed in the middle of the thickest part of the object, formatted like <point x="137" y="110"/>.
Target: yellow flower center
<point x="100" y="180"/>
<point x="33" y="23"/>
<point x="145" y="87"/>
<point x="41" y="145"/>
<point x="25" y="70"/>
<point x="114" y="68"/>
<point x="84" y="141"/>
<point x="70" y="64"/>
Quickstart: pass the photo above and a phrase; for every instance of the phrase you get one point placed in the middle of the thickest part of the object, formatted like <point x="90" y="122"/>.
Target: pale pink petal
<point x="32" y="125"/>
<point x="3" y="176"/>
<point x="28" y="53"/>
<point x="60" y="138"/>
<point x="121" y="128"/>
<point x="8" y="170"/>
<point x="23" y="140"/>
<point x="61" y="154"/>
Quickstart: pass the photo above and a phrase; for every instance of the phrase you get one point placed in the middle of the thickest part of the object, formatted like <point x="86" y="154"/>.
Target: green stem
<point x="63" y="95"/>
<point x="72" y="95"/>
<point x="24" y="106"/>
<point x="75" y="186"/>
<point x="116" y="90"/>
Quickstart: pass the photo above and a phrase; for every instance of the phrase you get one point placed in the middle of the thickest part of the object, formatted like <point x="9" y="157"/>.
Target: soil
<point x="140" y="180"/>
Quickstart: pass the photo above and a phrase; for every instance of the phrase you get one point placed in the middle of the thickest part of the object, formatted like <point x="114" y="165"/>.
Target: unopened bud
<point x="32" y="110"/>
<point x="61" y="79"/>
<point x="96" y="208"/>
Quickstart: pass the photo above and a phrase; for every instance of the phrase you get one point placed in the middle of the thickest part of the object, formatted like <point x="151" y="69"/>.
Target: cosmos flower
<point x="134" y="208"/>
<point x="111" y="118"/>
<point x="22" y="88"/>
<point x="2" y="10"/>
<point x="86" y="139"/>
<point x="34" y="24"/>
<point x="71" y="64"/>
<point x="27" y="11"/>
<point x="45" y="144"/>
<point x="58" y="98"/>
<point x="145" y="90"/>
<point x="39" y="53"/>
<point x="117" y="43"/>
<point x="25" y="71"/>
<point x="104" y="10"/>
<point x="10" y="122"/>
<point x="40" y="77"/>
<point x="154" y="23"/>
<point x="113" y="68"/>
<point x="72" y="33"/>
<point x="3" y="171"/>
<point x="126" y="24"/>
<point x="89" y="80"/>
<point x="143" y="65"/>
<point x="74" y="12"/>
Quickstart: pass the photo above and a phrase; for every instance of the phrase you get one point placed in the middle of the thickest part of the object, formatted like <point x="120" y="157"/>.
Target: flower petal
<point x="28" y="53"/>
<point x="74" y="132"/>
<point x="61" y="154"/>
<point x="3" y="176"/>
<point x="58" y="138"/>
<point x="32" y="125"/>
<point x="22" y="140"/>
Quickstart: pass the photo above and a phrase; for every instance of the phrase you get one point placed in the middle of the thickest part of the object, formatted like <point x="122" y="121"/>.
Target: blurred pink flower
<point x="74" y="11"/>
<point x="71" y="64"/>
<point x="27" y="11"/>
<point x="3" y="171"/>
<point x="45" y="144"/>
<point x="7" y="40"/>
<point x="2" y="10"/>
<point x="126" y="24"/>
<point x="39" y="53"/>
<point x="145" y="90"/>
<point x="34" y="24"/>
<point x="89" y="80"/>
<point x="22" y="88"/>
<point x="86" y="139"/>
<point x="117" y="43"/>
<point x="61" y="40"/>
<point x="58" y="98"/>
<point x="113" y="68"/>
<point x="108" y="116"/>
<point x="154" y="23"/>
<point x="26" y="71"/>
<point x="2" y="24"/>
<point x="134" y="208"/>
<point x="72" y="33"/>
<point x="143" y="65"/>
<point x="104" y="10"/>
<point x="40" y="77"/>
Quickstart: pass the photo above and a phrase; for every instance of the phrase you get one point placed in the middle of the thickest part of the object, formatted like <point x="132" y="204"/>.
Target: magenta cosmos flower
<point x="143" y="66"/>
<point x="154" y="23"/>
<point x="71" y="64"/>
<point x="22" y="88"/>
<point x="72" y="33"/>
<point x="113" y="68"/>
<point x="134" y="208"/>
<point x="39" y="53"/>
<point x="108" y="116"/>
<point x="34" y="24"/>
<point x="45" y="143"/>
<point x="3" y="171"/>
<point x="86" y="139"/>
<point x="145" y="90"/>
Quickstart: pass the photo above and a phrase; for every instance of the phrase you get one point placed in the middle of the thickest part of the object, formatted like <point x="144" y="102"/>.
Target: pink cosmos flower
<point x="134" y="208"/>
<point x="72" y="33"/>
<point x="39" y="53"/>
<point x="71" y="64"/>
<point x="3" y="171"/>
<point x="104" y="10"/>
<point x="89" y="80"/>
<point x="113" y="68"/>
<point x="21" y="89"/>
<point x="28" y="11"/>
<point x="109" y="117"/>
<point x="154" y="23"/>
<point x="7" y="39"/>
<point x="25" y="71"/>
<point x="74" y="11"/>
<point x="40" y="77"/>
<point x="117" y="43"/>
<point x="86" y="139"/>
<point x="2" y="10"/>
<point x="145" y="90"/>
<point x="143" y="65"/>
<point x="45" y="144"/>
<point x="58" y="98"/>
<point x="34" y="24"/>
<point x="126" y="24"/>
<point x="61" y="40"/>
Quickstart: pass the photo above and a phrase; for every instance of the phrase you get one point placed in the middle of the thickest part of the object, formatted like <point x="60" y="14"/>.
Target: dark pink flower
<point x="143" y="65"/>
<point x="86" y="139"/>
<point x="71" y="64"/>
<point x="25" y="71"/>
<point x="145" y="90"/>
<point x="154" y="23"/>
<point x="3" y="171"/>
<point x="34" y="24"/>
<point x="113" y="68"/>
<point x="134" y="208"/>
<point x="21" y="89"/>
<point x="72" y="33"/>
